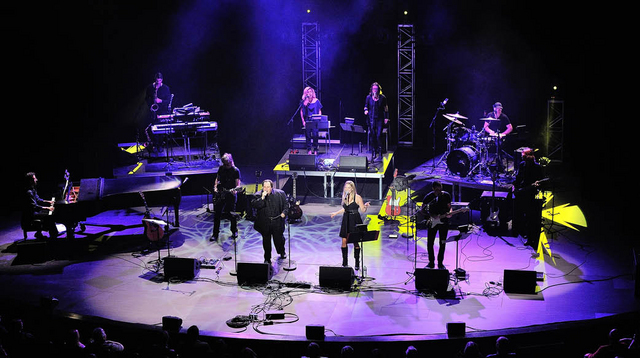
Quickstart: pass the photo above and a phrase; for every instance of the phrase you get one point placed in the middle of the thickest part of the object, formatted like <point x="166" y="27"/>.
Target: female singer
<point x="351" y="202"/>
<point x="310" y="105"/>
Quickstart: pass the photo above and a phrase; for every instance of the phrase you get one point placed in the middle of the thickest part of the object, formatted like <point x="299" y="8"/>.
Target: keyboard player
<point x="36" y="212"/>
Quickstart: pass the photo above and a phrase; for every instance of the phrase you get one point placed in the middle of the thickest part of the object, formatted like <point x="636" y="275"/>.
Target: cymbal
<point x="452" y="119"/>
<point x="488" y="119"/>
<point x="456" y="115"/>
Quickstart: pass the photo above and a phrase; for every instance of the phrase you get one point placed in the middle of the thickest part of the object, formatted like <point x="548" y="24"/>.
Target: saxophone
<point x="154" y="106"/>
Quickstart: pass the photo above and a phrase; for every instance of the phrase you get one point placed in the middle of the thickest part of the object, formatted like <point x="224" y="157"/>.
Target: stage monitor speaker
<point x="181" y="268"/>
<point x="171" y="323"/>
<point x="519" y="281"/>
<point x="250" y="273"/>
<point x="352" y="163"/>
<point x="33" y="250"/>
<point x="314" y="332"/>
<point x="336" y="277"/>
<point x="456" y="329"/>
<point x="302" y="162"/>
<point x="432" y="281"/>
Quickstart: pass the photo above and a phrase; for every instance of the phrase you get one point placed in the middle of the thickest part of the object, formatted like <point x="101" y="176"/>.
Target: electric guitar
<point x="437" y="219"/>
<point x="295" y="212"/>
<point x="153" y="229"/>
<point x="393" y="204"/>
<point x="219" y="194"/>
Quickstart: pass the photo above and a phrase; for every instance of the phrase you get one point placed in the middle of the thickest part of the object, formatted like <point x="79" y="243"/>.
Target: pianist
<point x="225" y="194"/>
<point x="35" y="210"/>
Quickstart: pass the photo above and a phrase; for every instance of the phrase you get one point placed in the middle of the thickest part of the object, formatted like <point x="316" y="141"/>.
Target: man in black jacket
<point x="272" y="206"/>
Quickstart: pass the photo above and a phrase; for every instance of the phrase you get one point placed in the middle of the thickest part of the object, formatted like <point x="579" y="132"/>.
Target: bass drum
<point x="462" y="160"/>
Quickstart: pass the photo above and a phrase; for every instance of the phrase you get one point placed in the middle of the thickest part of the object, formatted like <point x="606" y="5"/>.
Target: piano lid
<point x="99" y="188"/>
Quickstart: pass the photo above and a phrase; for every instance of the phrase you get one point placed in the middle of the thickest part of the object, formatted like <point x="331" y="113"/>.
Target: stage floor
<point x="108" y="273"/>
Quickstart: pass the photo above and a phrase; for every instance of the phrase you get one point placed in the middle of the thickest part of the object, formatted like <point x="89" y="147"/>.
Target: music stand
<point x="352" y="128"/>
<point x="465" y="231"/>
<point x="361" y="236"/>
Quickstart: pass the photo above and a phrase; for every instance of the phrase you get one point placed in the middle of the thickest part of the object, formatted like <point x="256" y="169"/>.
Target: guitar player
<point x="437" y="205"/>
<point x="224" y="188"/>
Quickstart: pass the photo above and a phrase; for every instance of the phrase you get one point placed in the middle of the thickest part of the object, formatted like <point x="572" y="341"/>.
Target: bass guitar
<point x="295" y="212"/>
<point x="153" y="228"/>
<point x="437" y="219"/>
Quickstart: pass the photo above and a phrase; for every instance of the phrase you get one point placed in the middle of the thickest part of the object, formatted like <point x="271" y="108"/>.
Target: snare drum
<point x="462" y="160"/>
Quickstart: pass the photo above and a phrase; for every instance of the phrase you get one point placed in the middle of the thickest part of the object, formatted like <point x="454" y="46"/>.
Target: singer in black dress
<point x="352" y="204"/>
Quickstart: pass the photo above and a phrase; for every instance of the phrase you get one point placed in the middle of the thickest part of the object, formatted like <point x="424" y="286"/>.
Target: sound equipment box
<point x="250" y="273"/>
<point x="432" y="281"/>
<point x="519" y="281"/>
<point x="314" y="332"/>
<point x="180" y="267"/>
<point x="302" y="162"/>
<point x="336" y="277"/>
<point x="171" y="323"/>
<point x="353" y="163"/>
<point x="456" y="329"/>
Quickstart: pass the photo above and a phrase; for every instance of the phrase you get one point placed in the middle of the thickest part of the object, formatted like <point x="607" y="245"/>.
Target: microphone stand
<point x="432" y="125"/>
<point x="290" y="124"/>
<point x="290" y="266"/>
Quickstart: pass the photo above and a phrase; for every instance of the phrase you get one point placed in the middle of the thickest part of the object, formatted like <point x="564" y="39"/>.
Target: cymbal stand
<point x="446" y="154"/>
<point x="432" y="125"/>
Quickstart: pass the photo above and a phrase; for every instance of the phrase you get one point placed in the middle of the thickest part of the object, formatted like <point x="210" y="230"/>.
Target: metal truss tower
<point x="406" y="84"/>
<point x="554" y="137"/>
<point x="311" y="57"/>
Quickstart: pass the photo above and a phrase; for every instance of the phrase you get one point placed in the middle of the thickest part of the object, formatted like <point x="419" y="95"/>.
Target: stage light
<point x="406" y="12"/>
<point x="555" y="88"/>
<point x="308" y="11"/>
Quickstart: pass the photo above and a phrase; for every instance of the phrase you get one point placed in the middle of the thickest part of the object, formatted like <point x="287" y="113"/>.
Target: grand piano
<point x="97" y="195"/>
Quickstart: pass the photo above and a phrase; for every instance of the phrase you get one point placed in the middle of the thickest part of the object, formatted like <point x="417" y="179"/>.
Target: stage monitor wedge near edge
<point x="249" y="273"/>
<point x="432" y="281"/>
<point x="353" y="163"/>
<point x="336" y="277"/>
<point x="519" y="281"/>
<point x="302" y="162"/>
<point x="180" y="267"/>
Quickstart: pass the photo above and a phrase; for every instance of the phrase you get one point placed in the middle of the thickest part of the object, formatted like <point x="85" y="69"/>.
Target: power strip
<point x="297" y="284"/>
<point x="208" y="263"/>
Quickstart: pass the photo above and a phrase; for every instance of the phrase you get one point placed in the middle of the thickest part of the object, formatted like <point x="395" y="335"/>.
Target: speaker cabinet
<point x="353" y="163"/>
<point x="336" y="277"/>
<point x="432" y="281"/>
<point x="249" y="273"/>
<point x="33" y="250"/>
<point x="302" y="162"/>
<point x="182" y="268"/>
<point x="519" y="281"/>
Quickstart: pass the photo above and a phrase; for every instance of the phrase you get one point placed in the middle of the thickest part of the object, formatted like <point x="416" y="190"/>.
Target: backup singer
<point x="310" y="105"/>
<point x="351" y="203"/>
<point x="437" y="204"/>
<point x="36" y="208"/>
<point x="528" y="209"/>
<point x="227" y="180"/>
<point x="271" y="205"/>
<point x="377" y="110"/>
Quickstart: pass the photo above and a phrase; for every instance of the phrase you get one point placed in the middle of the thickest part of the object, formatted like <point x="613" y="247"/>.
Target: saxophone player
<point x="158" y="97"/>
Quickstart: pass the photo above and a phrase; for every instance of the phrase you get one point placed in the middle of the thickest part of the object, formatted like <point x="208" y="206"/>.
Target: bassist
<point x="225" y="196"/>
<point x="437" y="204"/>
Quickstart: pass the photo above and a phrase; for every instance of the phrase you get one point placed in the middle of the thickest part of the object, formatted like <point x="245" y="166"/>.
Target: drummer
<point x="501" y="122"/>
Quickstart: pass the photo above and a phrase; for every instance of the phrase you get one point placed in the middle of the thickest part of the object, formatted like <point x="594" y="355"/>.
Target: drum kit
<point x="469" y="150"/>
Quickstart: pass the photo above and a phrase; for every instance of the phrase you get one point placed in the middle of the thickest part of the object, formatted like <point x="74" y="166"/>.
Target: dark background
<point x="76" y="73"/>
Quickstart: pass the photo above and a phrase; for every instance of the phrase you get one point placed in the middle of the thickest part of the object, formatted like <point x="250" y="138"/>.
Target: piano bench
<point x="32" y="225"/>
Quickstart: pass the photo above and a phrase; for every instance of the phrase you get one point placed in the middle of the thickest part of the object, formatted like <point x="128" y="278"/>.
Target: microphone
<point x="444" y="102"/>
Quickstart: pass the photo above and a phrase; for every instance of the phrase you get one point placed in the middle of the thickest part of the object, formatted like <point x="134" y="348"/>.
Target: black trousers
<point x="442" y="230"/>
<point x="375" y="130"/>
<point x="225" y="207"/>
<point x="274" y="230"/>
